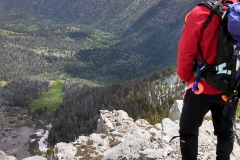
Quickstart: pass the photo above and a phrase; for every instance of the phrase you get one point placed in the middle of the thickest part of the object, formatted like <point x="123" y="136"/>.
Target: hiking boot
<point x="189" y="147"/>
<point x="224" y="148"/>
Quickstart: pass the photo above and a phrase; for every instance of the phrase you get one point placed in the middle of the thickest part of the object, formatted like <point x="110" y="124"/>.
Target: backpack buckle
<point x="201" y="66"/>
<point x="225" y="98"/>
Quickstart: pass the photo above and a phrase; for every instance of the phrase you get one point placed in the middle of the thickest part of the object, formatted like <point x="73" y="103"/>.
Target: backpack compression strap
<point x="236" y="87"/>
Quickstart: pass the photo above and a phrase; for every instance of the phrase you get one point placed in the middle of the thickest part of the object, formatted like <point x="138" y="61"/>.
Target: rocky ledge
<point x="119" y="137"/>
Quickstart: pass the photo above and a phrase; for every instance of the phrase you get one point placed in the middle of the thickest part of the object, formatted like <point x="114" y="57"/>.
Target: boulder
<point x="65" y="151"/>
<point x="176" y="109"/>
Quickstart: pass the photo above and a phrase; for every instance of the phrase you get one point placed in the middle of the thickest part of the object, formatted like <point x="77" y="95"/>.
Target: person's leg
<point x="223" y="129"/>
<point x="194" y="109"/>
<point x="189" y="146"/>
<point x="224" y="148"/>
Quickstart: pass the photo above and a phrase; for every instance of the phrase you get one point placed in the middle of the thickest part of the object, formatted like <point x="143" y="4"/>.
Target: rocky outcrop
<point x="118" y="136"/>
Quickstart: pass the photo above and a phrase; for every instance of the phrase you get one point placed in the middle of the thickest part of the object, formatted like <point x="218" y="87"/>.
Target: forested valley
<point x="149" y="97"/>
<point x="63" y="61"/>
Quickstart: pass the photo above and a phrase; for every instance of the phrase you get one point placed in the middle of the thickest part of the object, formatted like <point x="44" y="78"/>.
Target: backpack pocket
<point x="220" y="81"/>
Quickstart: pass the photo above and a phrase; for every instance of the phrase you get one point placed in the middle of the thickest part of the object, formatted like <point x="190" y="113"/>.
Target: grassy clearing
<point x="50" y="99"/>
<point x="2" y="32"/>
<point x="53" y="52"/>
<point x="3" y="83"/>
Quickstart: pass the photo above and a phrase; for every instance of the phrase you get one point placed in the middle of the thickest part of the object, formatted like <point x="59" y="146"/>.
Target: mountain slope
<point x="115" y="40"/>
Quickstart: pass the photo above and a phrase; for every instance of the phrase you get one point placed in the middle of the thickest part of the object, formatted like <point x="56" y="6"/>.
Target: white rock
<point x="97" y="140"/>
<point x="169" y="129"/>
<point x="115" y="133"/>
<point x="158" y="126"/>
<point x="154" y="153"/>
<point x="81" y="140"/>
<point x="143" y="123"/>
<point x="130" y="146"/>
<point x="155" y="133"/>
<point x="35" y="158"/>
<point x="3" y="156"/>
<point x="176" y="109"/>
<point x="122" y="115"/>
<point x="65" y="151"/>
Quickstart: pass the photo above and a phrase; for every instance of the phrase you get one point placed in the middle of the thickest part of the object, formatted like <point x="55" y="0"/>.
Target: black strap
<point x="206" y="23"/>
<point x="201" y="54"/>
<point x="224" y="41"/>
<point x="233" y="75"/>
<point x="228" y="103"/>
<point x="173" y="138"/>
<point x="232" y="65"/>
<point x="237" y="84"/>
<point x="237" y="51"/>
<point x="213" y="11"/>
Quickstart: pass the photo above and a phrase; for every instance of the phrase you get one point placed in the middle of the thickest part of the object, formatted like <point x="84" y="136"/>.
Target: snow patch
<point x="44" y="135"/>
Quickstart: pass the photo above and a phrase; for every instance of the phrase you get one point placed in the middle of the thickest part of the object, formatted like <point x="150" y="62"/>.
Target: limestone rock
<point x="131" y="145"/>
<point x="176" y="109"/>
<point x="35" y="158"/>
<point x="3" y="156"/>
<point x="65" y="151"/>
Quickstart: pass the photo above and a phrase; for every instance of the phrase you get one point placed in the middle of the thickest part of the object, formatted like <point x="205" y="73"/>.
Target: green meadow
<point x="50" y="99"/>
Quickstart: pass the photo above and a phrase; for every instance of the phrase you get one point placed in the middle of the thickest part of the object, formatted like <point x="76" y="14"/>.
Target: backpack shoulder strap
<point x="214" y="6"/>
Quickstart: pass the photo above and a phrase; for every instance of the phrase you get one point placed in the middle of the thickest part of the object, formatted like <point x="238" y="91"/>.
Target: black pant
<point x="194" y="109"/>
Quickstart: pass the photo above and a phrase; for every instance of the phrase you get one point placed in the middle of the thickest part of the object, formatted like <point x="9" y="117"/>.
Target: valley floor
<point x="20" y="136"/>
<point x="15" y="141"/>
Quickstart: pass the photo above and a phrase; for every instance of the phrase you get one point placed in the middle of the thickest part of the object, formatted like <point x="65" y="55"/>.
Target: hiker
<point x="195" y="43"/>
